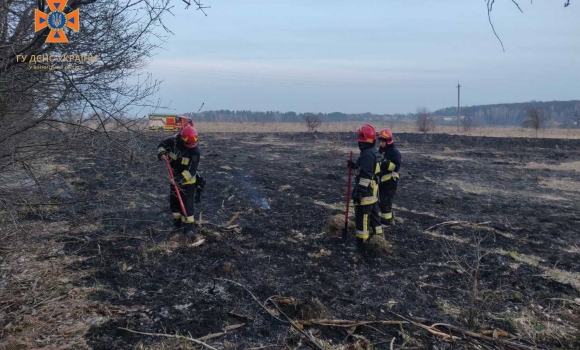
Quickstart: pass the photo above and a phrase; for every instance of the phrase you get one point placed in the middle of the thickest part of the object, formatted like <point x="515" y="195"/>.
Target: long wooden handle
<point x="176" y="188"/>
<point x="345" y="232"/>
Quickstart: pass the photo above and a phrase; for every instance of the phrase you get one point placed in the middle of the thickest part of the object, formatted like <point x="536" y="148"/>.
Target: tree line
<point x="557" y="114"/>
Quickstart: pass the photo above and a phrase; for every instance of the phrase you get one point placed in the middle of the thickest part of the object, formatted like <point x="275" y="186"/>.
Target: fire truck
<point x="161" y="122"/>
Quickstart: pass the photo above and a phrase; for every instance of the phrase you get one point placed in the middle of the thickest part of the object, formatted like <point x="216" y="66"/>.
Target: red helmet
<point x="386" y="135"/>
<point x="366" y="133"/>
<point x="189" y="136"/>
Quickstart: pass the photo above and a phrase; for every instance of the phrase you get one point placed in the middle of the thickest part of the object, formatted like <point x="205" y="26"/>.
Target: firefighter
<point x="389" y="175"/>
<point x="365" y="192"/>
<point x="183" y="153"/>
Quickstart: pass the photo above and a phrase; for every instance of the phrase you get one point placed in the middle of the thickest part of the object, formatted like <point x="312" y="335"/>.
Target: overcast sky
<point x="379" y="56"/>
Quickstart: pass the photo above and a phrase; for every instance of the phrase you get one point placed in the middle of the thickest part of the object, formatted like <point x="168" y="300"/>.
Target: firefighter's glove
<point x="177" y="179"/>
<point x="161" y="154"/>
<point x="357" y="194"/>
<point x="351" y="164"/>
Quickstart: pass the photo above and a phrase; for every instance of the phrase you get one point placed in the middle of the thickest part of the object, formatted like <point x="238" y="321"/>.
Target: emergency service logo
<point x="57" y="21"/>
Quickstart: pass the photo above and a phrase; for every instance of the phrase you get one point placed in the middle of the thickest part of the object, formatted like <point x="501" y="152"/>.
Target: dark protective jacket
<point x="367" y="171"/>
<point x="391" y="162"/>
<point x="183" y="160"/>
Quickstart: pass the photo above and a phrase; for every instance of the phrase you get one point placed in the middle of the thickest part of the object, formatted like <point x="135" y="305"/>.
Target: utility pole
<point x="458" y="105"/>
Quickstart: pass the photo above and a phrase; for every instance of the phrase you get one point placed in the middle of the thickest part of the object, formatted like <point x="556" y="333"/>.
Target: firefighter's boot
<point x="357" y="247"/>
<point x="388" y="220"/>
<point x="189" y="231"/>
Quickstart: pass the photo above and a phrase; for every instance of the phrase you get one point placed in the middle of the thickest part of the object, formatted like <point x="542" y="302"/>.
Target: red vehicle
<point x="160" y="122"/>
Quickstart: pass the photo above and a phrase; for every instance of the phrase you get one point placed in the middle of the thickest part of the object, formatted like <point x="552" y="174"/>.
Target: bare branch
<point x="175" y="336"/>
<point x="489" y="9"/>
<point x="200" y="6"/>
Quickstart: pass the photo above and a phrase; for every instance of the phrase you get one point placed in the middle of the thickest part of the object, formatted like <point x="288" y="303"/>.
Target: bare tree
<point x="467" y="122"/>
<point x="312" y="121"/>
<point x="469" y="260"/>
<point x="535" y="119"/>
<point x="424" y="119"/>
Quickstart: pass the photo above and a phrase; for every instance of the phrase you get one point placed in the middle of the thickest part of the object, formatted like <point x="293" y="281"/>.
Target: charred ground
<point x="486" y="239"/>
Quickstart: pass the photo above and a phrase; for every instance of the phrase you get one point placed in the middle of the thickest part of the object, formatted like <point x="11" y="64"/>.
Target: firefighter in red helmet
<point x="389" y="175"/>
<point x="365" y="192"/>
<point x="183" y="153"/>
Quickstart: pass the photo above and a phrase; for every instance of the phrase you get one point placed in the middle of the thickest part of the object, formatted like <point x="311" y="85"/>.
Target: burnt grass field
<point x="487" y="240"/>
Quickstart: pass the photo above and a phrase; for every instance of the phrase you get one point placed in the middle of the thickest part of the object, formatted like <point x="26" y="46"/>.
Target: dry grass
<point x="429" y="214"/>
<point x="378" y="246"/>
<point x="573" y="249"/>
<point x="161" y="249"/>
<point x="312" y="309"/>
<point x="284" y="188"/>
<point x="552" y="273"/>
<point x="551" y="197"/>
<point x="575" y="166"/>
<point x="562" y="185"/>
<point x="334" y="206"/>
<point x="449" y="308"/>
<point x="472" y="187"/>
<point x="538" y="324"/>
<point x="335" y="224"/>
<point x="320" y="254"/>
<point x="225" y="127"/>
<point x="450" y="158"/>
<point x="453" y="238"/>
<point x="170" y="344"/>
<point x="40" y="306"/>
<point x="490" y="191"/>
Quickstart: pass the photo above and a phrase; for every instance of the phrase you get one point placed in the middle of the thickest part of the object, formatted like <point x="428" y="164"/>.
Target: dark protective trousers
<point x="367" y="218"/>
<point x="187" y="193"/>
<point x="387" y="192"/>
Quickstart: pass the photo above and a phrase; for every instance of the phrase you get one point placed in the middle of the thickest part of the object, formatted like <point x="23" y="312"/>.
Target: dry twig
<point x="233" y="228"/>
<point x="253" y="297"/>
<point x="346" y="323"/>
<point x="486" y="338"/>
<point x="174" y="336"/>
<point x="432" y="329"/>
<point x="458" y="222"/>
<point x="298" y="328"/>
<point x="309" y="337"/>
